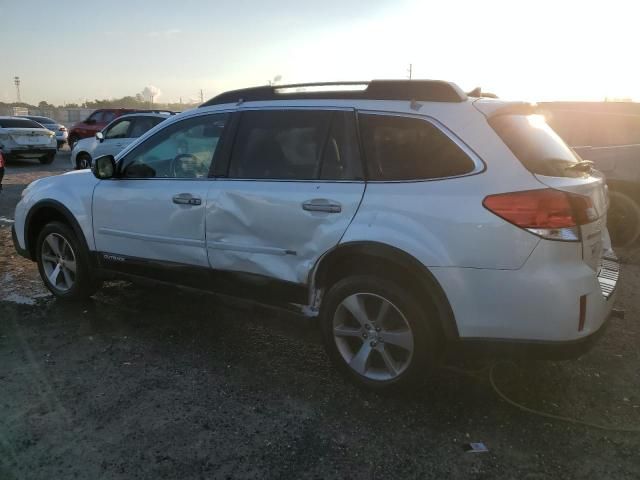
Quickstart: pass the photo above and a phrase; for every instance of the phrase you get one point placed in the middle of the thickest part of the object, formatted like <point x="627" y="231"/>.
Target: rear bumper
<point x="23" y="252"/>
<point x="554" y="298"/>
<point x="522" y="349"/>
<point x="27" y="151"/>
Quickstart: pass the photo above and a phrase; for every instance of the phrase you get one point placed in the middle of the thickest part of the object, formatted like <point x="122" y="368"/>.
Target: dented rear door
<point x="293" y="185"/>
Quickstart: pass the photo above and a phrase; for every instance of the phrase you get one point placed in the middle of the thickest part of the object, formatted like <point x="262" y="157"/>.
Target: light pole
<point x="16" y="82"/>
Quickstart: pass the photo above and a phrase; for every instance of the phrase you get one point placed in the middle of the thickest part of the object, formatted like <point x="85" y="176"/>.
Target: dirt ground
<point x="155" y="382"/>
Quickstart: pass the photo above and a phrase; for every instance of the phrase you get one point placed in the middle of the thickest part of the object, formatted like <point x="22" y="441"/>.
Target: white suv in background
<point x="409" y="217"/>
<point x="113" y="138"/>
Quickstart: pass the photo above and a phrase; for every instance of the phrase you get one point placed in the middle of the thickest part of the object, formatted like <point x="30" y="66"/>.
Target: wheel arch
<point x="44" y="212"/>
<point x="376" y="257"/>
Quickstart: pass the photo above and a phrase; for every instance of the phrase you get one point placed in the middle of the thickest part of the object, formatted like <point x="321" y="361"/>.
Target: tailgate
<point x="27" y="136"/>
<point x="595" y="237"/>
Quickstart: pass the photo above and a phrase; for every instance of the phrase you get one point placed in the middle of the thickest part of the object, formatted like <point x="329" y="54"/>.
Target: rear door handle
<point x="186" y="199"/>
<point x="321" y="205"/>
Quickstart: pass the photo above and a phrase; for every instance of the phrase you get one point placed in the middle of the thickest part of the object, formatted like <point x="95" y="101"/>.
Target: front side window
<point x="185" y="149"/>
<point x="108" y="117"/>
<point x="95" y="117"/>
<point x="118" y="130"/>
<point x="295" y="145"/>
<point x="142" y="124"/>
<point x="405" y="148"/>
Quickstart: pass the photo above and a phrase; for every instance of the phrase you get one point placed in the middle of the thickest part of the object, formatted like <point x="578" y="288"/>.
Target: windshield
<point x="535" y="144"/>
<point x="18" y="123"/>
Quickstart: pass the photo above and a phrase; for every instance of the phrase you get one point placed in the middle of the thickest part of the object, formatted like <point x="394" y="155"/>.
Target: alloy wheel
<point x="58" y="262"/>
<point x="373" y="336"/>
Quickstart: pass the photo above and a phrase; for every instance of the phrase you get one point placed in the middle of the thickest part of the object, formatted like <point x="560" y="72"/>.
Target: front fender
<point x="69" y="194"/>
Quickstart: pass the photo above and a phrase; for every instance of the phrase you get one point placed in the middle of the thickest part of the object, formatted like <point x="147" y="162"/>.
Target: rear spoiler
<point x="492" y="109"/>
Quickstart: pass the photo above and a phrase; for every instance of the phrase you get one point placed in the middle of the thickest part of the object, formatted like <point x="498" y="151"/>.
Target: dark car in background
<point x="607" y="133"/>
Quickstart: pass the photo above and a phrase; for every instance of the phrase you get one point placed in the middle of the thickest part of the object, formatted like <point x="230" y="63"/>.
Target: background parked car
<point x="56" y="127"/>
<point x="98" y="120"/>
<point x="607" y="133"/>
<point x="113" y="138"/>
<point x="24" y="138"/>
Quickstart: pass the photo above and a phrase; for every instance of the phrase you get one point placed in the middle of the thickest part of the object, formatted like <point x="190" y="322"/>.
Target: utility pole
<point x="410" y="70"/>
<point x="201" y="96"/>
<point x="16" y="82"/>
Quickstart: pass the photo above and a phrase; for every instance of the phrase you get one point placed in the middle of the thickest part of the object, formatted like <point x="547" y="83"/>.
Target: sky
<point x="72" y="51"/>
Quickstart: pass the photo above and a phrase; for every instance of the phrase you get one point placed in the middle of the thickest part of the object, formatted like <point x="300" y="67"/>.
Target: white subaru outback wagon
<point x="406" y="215"/>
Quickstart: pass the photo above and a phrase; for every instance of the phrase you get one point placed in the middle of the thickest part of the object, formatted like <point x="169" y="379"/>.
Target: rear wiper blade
<point x="581" y="166"/>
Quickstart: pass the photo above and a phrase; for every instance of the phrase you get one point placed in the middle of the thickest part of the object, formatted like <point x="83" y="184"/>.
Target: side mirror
<point x="104" y="167"/>
<point x="99" y="137"/>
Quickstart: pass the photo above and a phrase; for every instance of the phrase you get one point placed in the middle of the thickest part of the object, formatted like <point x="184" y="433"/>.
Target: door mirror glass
<point x="99" y="137"/>
<point x="104" y="167"/>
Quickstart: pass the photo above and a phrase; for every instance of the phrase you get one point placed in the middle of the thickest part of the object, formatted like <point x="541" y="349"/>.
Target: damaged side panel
<point x="277" y="228"/>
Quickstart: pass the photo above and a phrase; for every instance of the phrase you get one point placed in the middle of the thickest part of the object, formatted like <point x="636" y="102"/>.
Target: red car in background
<point x="95" y="123"/>
<point x="99" y="119"/>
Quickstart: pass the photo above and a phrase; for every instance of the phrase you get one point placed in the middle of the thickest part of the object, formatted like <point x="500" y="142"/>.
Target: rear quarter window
<point x="535" y="144"/>
<point x="405" y="148"/>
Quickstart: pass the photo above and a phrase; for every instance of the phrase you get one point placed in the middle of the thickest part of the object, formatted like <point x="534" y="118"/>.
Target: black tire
<point x="83" y="160"/>
<point x="71" y="141"/>
<point x="623" y="219"/>
<point x="85" y="282"/>
<point x="48" y="158"/>
<point x="426" y="343"/>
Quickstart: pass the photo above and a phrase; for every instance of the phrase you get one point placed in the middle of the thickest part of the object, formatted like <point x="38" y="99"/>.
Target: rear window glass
<point x="535" y="144"/>
<point x="18" y="123"/>
<point x="402" y="148"/>
<point x="42" y="120"/>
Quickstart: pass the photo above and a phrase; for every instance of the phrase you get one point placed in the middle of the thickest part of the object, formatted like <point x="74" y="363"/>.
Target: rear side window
<point x="403" y="148"/>
<point x="295" y="145"/>
<point x="535" y="144"/>
<point x="19" y="123"/>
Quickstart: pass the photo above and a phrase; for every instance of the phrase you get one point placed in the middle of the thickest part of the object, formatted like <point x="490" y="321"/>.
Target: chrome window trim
<point x="479" y="165"/>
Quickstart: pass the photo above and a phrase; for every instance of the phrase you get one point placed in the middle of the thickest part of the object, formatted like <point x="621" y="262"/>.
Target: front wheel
<point x="63" y="263"/>
<point x="83" y="160"/>
<point x="377" y="333"/>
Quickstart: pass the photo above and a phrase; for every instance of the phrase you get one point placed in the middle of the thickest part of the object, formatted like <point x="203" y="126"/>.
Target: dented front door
<point x="274" y="228"/>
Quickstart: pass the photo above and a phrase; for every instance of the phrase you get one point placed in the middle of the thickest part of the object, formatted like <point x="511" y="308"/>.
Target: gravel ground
<point x="154" y="382"/>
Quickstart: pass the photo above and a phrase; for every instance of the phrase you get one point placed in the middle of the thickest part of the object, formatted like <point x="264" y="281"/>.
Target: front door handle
<point x="186" y="199"/>
<point x="321" y="205"/>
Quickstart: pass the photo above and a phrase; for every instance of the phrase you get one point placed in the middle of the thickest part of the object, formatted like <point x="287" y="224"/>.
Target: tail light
<point x="1" y="160"/>
<point x="548" y="213"/>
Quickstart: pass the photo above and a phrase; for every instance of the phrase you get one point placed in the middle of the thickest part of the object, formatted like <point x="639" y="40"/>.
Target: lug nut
<point x="378" y="329"/>
<point x="373" y="343"/>
<point x="364" y="335"/>
<point x="367" y="326"/>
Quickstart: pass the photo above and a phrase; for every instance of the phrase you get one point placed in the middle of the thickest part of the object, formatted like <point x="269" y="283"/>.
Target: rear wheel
<point x="623" y="219"/>
<point x="63" y="263"/>
<point x="83" y="160"/>
<point x="377" y="333"/>
<point x="48" y="158"/>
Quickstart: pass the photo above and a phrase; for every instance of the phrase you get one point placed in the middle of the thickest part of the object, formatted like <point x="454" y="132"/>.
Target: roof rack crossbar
<point x="418" y="90"/>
